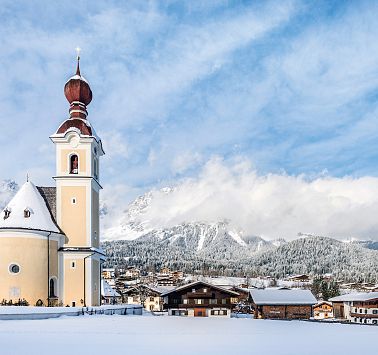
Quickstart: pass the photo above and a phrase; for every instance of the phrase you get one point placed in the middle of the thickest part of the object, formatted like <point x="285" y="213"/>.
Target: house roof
<point x="233" y="293"/>
<point x="350" y="297"/>
<point x="38" y="202"/>
<point x="282" y="297"/>
<point x="107" y="290"/>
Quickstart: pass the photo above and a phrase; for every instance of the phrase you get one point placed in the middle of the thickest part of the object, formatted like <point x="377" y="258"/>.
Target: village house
<point x="299" y="278"/>
<point x="108" y="273"/>
<point x="109" y="295"/>
<point x="131" y="273"/>
<point x="199" y="299"/>
<point x="282" y="304"/>
<point x="357" y="307"/>
<point x="323" y="310"/>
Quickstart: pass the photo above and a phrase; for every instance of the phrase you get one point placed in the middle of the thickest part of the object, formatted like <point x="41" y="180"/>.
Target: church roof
<point x="31" y="208"/>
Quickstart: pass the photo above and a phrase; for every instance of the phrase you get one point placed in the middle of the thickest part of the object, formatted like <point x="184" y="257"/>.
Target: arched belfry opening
<point x="74" y="164"/>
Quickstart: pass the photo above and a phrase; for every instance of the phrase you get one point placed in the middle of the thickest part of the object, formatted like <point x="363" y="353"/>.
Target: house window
<point x="374" y="321"/>
<point x="73" y="200"/>
<point x="185" y="301"/>
<point x="151" y="299"/>
<point x="205" y="290"/>
<point x="224" y="300"/>
<point x="198" y="301"/>
<point x="74" y="164"/>
<point x="193" y="290"/>
<point x="14" y="268"/>
<point x="212" y="301"/>
<point x="26" y="213"/>
<point x="375" y="311"/>
<point x="6" y="213"/>
<point x="73" y="264"/>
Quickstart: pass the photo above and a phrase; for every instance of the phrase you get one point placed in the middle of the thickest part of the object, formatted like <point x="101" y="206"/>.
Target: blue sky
<point x="288" y="86"/>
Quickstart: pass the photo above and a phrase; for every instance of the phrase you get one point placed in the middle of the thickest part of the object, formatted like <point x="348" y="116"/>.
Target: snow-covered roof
<point x="350" y="297"/>
<point x="28" y="198"/>
<point x="201" y="282"/>
<point x="107" y="290"/>
<point x="77" y="77"/>
<point x="281" y="297"/>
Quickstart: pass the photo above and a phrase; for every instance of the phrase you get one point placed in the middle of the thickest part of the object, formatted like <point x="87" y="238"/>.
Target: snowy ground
<point x="174" y="335"/>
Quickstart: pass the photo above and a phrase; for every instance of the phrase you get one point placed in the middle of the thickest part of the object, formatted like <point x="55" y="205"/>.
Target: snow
<point x="164" y="335"/>
<point x="107" y="290"/>
<point x="276" y="296"/>
<point x="237" y="238"/>
<point x="77" y="77"/>
<point x="28" y="197"/>
<point x="350" y="297"/>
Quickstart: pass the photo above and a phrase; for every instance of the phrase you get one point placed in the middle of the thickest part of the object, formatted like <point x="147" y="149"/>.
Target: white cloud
<point x="272" y="205"/>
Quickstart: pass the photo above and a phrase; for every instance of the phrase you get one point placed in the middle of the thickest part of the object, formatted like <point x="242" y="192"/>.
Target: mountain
<point x="8" y="188"/>
<point x="219" y="248"/>
<point x="219" y="256"/>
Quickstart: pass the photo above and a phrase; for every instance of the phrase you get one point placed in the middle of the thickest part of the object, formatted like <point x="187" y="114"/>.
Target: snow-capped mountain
<point x="197" y="236"/>
<point x="220" y="248"/>
<point x="8" y="188"/>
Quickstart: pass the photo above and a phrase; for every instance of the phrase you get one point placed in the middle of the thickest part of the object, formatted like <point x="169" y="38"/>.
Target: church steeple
<point x="78" y="153"/>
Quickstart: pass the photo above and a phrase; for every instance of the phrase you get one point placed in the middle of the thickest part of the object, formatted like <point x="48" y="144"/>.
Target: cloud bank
<point x="271" y="206"/>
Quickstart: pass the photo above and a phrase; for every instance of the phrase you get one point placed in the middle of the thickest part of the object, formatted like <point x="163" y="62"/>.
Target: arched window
<point x="74" y="164"/>
<point x="27" y="213"/>
<point x="52" y="288"/>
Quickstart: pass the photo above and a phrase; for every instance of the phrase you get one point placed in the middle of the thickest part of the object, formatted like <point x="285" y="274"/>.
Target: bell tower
<point x="78" y="152"/>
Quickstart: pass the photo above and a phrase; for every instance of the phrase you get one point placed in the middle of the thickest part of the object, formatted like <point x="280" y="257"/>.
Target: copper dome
<point x="77" y="89"/>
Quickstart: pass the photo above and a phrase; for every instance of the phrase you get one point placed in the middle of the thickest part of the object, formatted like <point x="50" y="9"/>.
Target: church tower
<point x="78" y="152"/>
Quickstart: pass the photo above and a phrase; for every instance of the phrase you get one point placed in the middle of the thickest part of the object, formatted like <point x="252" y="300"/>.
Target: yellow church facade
<point x="50" y="236"/>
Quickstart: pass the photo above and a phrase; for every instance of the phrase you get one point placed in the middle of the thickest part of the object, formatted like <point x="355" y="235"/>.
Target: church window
<point x="74" y="164"/>
<point x="14" y="268"/>
<point x="26" y="213"/>
<point x="6" y="213"/>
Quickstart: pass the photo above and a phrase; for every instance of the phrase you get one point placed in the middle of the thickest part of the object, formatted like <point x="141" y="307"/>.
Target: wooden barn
<point x="282" y="304"/>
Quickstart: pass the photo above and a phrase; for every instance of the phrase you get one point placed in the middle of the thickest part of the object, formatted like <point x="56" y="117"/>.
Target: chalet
<point x="199" y="299"/>
<point x="282" y="304"/>
<point x="299" y="278"/>
<point x="132" y="295"/>
<point x="108" y="273"/>
<point x="109" y="295"/>
<point x="131" y="273"/>
<point x="357" y="307"/>
<point x="323" y="310"/>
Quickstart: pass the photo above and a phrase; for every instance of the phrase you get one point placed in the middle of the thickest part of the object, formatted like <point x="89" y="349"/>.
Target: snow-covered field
<point x="174" y="335"/>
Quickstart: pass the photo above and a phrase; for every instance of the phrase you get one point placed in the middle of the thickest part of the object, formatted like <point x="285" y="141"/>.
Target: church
<point x="50" y="236"/>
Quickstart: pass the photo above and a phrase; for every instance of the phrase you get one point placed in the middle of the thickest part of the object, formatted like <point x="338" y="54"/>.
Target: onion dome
<point x="28" y="210"/>
<point x="78" y="94"/>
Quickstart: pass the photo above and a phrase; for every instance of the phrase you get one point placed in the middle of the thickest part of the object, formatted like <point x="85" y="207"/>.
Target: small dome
<point x="77" y="88"/>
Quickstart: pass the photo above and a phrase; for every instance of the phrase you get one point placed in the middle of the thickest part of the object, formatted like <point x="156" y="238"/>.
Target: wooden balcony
<point x="198" y="295"/>
<point x="363" y="315"/>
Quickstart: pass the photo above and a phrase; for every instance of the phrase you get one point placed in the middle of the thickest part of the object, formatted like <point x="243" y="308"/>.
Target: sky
<point x="286" y="89"/>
